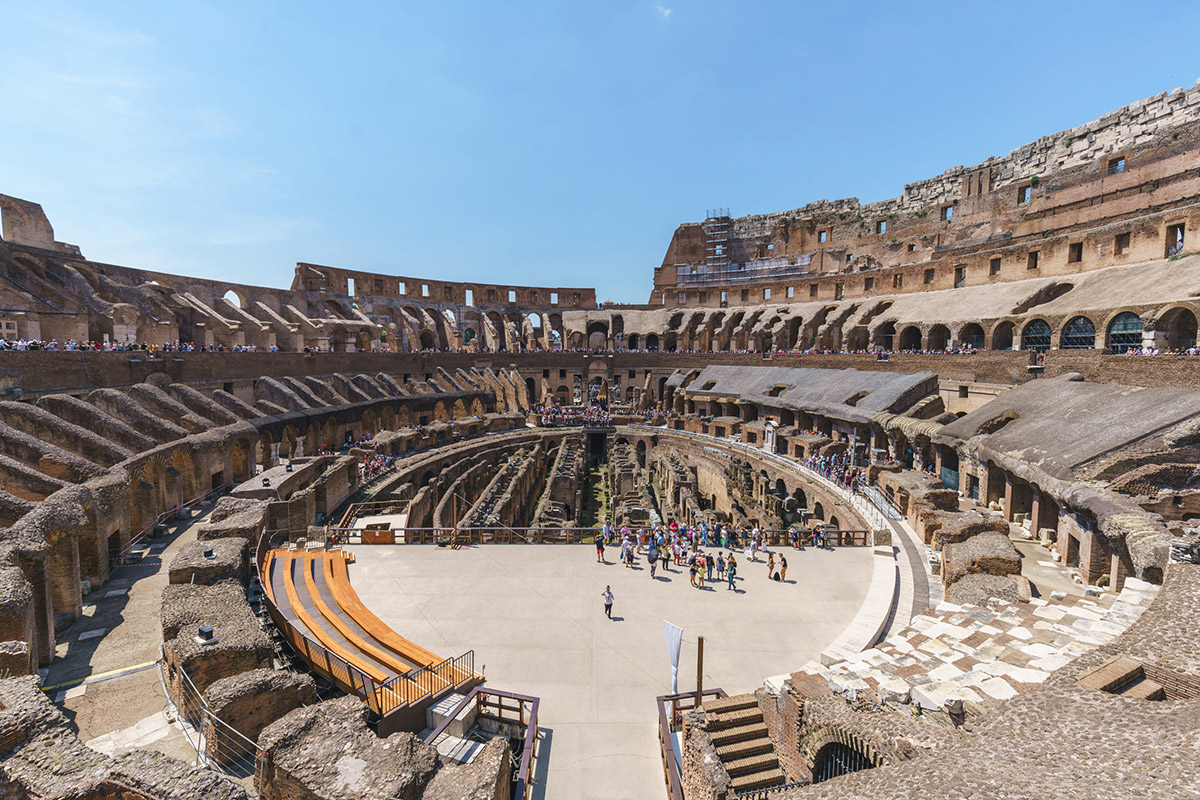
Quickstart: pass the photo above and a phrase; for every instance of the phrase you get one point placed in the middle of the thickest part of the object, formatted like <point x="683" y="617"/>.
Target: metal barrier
<point x="676" y="703"/>
<point x="218" y="745"/>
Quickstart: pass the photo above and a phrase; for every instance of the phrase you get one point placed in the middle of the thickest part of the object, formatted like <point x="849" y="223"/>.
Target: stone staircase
<point x="736" y="727"/>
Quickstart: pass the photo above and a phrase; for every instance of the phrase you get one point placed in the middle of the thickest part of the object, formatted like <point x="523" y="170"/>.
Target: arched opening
<point x="531" y="392"/>
<point x="1002" y="337"/>
<point x="233" y="298"/>
<point x="426" y="340"/>
<point x="597" y="336"/>
<point x="562" y="395"/>
<point x="469" y="336"/>
<point x="833" y="522"/>
<point x="1124" y="333"/>
<point x="1180" y="326"/>
<point x="910" y="338"/>
<point x="835" y="759"/>
<point x="652" y="342"/>
<point x="641" y="453"/>
<point x="939" y="337"/>
<point x="818" y="511"/>
<point x="885" y="335"/>
<point x="780" y="487"/>
<point x="800" y="498"/>
<point x="1079" y="334"/>
<point x="633" y="341"/>
<point x="1036" y="336"/>
<point x="972" y="336"/>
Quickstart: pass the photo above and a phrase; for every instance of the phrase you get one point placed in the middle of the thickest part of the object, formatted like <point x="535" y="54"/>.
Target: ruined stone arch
<point x="459" y="409"/>
<point x="910" y="338"/>
<point x="830" y="745"/>
<point x="439" y="411"/>
<point x="1177" y="324"/>
<point x="972" y="335"/>
<point x="477" y="407"/>
<point x="938" y="338"/>
<point x="402" y="417"/>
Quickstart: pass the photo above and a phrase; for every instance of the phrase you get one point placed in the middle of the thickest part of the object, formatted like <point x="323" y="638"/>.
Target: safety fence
<point x="670" y="722"/>
<point x="462" y="537"/>
<point x="218" y="745"/>
<point x="126" y="553"/>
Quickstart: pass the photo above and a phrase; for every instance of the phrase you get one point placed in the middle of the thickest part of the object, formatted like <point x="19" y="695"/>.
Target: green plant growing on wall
<point x="1035" y="180"/>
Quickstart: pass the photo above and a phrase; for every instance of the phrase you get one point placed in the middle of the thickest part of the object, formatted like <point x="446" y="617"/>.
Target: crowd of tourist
<point x="373" y="466"/>
<point x="702" y="550"/>
<point x="838" y="469"/>
<point x="592" y="415"/>
<point x="191" y="347"/>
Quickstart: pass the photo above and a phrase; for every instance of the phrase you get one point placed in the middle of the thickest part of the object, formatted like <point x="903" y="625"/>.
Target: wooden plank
<point x="373" y="672"/>
<point x="338" y="578"/>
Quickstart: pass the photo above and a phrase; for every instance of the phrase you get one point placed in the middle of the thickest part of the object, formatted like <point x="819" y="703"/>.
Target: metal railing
<point x="671" y="706"/>
<point x="490" y="705"/>
<point x="413" y="688"/>
<point x="123" y="557"/>
<point x="218" y="745"/>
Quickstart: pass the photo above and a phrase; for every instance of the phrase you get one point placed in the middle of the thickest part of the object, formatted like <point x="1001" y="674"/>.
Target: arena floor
<point x="534" y="617"/>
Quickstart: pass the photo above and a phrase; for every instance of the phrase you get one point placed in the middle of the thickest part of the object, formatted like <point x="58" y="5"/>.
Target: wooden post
<point x="699" y="669"/>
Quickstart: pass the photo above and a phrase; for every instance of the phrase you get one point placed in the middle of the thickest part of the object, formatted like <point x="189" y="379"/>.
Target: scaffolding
<point x="717" y="227"/>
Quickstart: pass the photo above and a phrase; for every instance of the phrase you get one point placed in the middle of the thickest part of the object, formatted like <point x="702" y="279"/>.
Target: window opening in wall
<point x="533" y="298"/>
<point x="839" y="291"/>
<point x="791" y="292"/>
<point x="512" y="296"/>
<point x="378" y="286"/>
<point x="554" y="298"/>
<point x="964" y="391"/>
<point x="1124" y="332"/>
<point x="812" y="290"/>
<point x="770" y="247"/>
<point x="682" y="298"/>
<point x="1121" y="244"/>
<point x="822" y="237"/>
<point x="947" y="213"/>
<point x="1031" y="260"/>
<point x="1024" y="194"/>
<point x="1116" y="165"/>
<point x="664" y="298"/>
<point x="766" y="294"/>
<point x="912" y="248"/>
<point x="1075" y="252"/>
<point x="928" y="277"/>
<point x="401" y="288"/>
<point x="1079" y="334"/>
<point x="491" y="295"/>
<point x="448" y="292"/>
<point x="724" y="299"/>
<point x="470" y="300"/>
<point x="881" y="226"/>
<point x="703" y="297"/>
<point x="849" y="257"/>
<point x="897" y="281"/>
<point x="868" y="284"/>
<point x="1175" y="239"/>
<point x="960" y="277"/>
<point x="350" y="286"/>
<point x="745" y="295"/>
<point x="1036" y="336"/>
<point x="994" y="267"/>
<point x="424" y="290"/>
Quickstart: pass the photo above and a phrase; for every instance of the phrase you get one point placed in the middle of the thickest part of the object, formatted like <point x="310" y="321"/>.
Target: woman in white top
<point x="607" y="594"/>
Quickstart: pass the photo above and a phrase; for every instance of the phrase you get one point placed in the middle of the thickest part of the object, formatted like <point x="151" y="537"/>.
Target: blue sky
<point x="536" y="143"/>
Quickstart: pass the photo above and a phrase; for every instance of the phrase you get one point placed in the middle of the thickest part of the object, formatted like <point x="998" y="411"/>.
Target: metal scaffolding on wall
<point x="717" y="228"/>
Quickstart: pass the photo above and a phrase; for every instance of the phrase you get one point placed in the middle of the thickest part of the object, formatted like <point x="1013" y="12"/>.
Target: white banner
<point x="674" y="644"/>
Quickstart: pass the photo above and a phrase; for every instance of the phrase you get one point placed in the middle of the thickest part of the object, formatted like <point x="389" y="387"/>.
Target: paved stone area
<point x="104" y="675"/>
<point x="534" y="617"/>
<point x="988" y="654"/>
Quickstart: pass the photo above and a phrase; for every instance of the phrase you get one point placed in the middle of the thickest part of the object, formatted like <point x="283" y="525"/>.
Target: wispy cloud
<point x="664" y="12"/>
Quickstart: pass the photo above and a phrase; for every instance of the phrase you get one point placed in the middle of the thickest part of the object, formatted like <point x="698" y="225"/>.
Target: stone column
<point x="1008" y="497"/>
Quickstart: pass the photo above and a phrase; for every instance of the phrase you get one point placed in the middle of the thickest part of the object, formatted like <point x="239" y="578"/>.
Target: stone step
<point x="743" y="749"/>
<point x="757" y="780"/>
<point x="763" y="762"/>
<point x="735" y="703"/>
<point x="739" y="733"/>
<point x="731" y="719"/>
<point x="1145" y="690"/>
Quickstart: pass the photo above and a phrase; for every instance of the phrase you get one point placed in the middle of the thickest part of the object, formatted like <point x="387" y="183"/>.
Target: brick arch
<point x="832" y="734"/>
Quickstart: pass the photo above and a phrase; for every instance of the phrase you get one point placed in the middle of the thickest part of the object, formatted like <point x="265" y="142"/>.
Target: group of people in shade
<point x="684" y="547"/>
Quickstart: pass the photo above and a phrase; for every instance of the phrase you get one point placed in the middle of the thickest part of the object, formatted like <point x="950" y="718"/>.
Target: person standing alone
<point x="607" y="594"/>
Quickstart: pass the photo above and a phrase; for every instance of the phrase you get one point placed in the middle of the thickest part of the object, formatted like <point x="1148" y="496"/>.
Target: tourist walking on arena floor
<point x="708" y="566"/>
<point x="731" y="570"/>
<point x="652" y="557"/>
<point x="607" y="594"/>
<point x="599" y="549"/>
<point x="770" y="565"/>
<point x="701" y="562"/>
<point x="665" y="555"/>
<point x="720" y="567"/>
